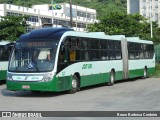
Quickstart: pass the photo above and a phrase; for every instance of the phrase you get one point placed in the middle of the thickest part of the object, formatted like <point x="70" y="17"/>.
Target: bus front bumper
<point x="32" y="86"/>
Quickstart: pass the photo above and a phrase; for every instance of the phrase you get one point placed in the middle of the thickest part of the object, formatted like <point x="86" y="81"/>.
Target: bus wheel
<point x="145" y="74"/>
<point x="74" y="85"/>
<point x="111" y="78"/>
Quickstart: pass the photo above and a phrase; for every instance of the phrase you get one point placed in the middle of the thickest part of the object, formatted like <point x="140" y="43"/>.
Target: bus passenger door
<point x="124" y="49"/>
<point x="63" y="60"/>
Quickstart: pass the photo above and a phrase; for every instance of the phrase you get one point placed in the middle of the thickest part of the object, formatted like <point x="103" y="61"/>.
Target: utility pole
<point x="151" y="18"/>
<point x="52" y="12"/>
<point x="71" y="13"/>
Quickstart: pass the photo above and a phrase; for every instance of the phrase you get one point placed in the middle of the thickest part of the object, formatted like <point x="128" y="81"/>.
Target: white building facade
<point x="40" y="14"/>
<point x="147" y="8"/>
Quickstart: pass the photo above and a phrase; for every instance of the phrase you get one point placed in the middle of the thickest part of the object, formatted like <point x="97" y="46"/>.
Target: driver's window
<point x="63" y="57"/>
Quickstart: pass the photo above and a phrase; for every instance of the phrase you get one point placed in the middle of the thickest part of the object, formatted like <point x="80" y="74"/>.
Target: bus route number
<point x="87" y="66"/>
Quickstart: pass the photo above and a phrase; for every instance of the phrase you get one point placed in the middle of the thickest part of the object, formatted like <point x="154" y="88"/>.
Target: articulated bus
<point x="5" y="50"/>
<point x="60" y="59"/>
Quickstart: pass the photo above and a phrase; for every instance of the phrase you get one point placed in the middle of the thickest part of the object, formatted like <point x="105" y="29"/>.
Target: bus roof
<point x="100" y="35"/>
<point x="4" y="42"/>
<point x="57" y="33"/>
<point x="47" y="33"/>
<point x="138" y="40"/>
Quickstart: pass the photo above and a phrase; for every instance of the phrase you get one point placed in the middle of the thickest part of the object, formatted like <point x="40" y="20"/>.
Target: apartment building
<point x="40" y="14"/>
<point x="148" y="8"/>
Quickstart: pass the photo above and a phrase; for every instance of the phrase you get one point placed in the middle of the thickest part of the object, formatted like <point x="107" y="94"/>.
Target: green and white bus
<point x="5" y="50"/>
<point x="60" y="59"/>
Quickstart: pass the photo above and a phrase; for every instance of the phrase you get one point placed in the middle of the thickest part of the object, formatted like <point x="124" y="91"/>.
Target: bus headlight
<point x="47" y="78"/>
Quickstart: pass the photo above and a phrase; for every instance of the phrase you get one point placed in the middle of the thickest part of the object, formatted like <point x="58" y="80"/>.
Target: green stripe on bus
<point x="3" y="75"/>
<point x="140" y="72"/>
<point x="98" y="78"/>
<point x="64" y="83"/>
<point x="33" y="86"/>
<point x="56" y="85"/>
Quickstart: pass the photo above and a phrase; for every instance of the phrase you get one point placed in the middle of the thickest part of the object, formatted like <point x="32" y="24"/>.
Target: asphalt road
<point x="134" y="95"/>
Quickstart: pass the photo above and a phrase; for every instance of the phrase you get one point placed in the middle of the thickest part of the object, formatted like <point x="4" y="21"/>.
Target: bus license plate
<point x="25" y="86"/>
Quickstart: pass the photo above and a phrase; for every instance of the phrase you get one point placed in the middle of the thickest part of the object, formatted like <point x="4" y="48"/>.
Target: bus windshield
<point x="33" y="57"/>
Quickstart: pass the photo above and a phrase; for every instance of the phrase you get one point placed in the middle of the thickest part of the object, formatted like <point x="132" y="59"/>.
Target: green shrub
<point x="157" y="71"/>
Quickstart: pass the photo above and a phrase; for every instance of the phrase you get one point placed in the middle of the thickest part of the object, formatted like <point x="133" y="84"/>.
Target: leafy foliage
<point x="16" y="25"/>
<point x="112" y="17"/>
<point x="157" y="71"/>
<point x="131" y="25"/>
<point x="12" y="27"/>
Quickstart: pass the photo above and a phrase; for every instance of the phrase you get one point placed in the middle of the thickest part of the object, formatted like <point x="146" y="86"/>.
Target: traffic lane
<point x="141" y="94"/>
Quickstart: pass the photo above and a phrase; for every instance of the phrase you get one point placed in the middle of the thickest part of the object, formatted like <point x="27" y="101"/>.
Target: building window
<point x="32" y="19"/>
<point x="46" y="20"/>
<point x="60" y="22"/>
<point x="81" y="25"/>
<point x="81" y="14"/>
<point x="13" y="14"/>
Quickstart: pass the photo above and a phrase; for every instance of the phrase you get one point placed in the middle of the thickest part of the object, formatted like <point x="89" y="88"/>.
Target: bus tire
<point x="74" y="84"/>
<point x="145" y="73"/>
<point x="111" y="78"/>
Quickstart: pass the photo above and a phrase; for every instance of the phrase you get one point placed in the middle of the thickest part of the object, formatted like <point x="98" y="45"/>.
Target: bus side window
<point x="1" y="53"/>
<point x="5" y="54"/>
<point x="85" y="55"/>
<point x="78" y="49"/>
<point x="72" y="49"/>
<point x="75" y="49"/>
<point x="72" y="55"/>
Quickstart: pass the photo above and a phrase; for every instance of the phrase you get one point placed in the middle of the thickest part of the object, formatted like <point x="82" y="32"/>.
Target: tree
<point x="12" y="27"/>
<point x="116" y="23"/>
